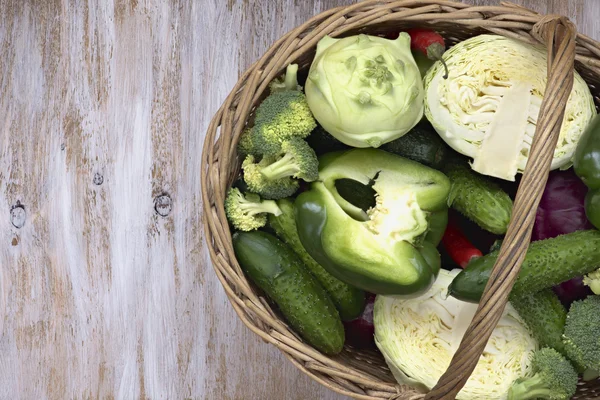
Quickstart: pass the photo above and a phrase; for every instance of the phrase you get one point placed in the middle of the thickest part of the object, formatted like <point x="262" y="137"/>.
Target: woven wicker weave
<point x="363" y="374"/>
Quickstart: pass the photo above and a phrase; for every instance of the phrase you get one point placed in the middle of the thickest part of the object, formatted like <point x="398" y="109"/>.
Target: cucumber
<point x="478" y="198"/>
<point x="349" y="301"/>
<point x="421" y="144"/>
<point x="547" y="263"/>
<point x="545" y="315"/>
<point x="278" y="271"/>
<point x="323" y="142"/>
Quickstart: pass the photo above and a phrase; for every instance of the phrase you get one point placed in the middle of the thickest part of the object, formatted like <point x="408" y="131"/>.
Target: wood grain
<point x="103" y="108"/>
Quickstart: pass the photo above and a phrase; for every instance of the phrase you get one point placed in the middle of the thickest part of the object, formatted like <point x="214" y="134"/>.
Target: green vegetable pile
<point x="372" y="198"/>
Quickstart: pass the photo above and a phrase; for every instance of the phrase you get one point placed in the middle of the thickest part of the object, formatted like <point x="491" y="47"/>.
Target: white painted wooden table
<point x="103" y="109"/>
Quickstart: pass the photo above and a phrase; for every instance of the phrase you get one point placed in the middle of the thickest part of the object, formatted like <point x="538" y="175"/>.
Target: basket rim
<point x="504" y="19"/>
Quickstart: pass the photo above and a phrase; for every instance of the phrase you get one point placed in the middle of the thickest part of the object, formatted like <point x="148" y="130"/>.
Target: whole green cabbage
<point x="418" y="338"/>
<point x="488" y="107"/>
<point x="365" y="90"/>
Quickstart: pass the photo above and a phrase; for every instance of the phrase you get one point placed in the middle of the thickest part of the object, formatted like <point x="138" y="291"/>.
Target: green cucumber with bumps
<point x="545" y="315"/>
<point x="278" y="271"/>
<point x="349" y="301"/>
<point x="421" y="144"/>
<point x="547" y="263"/>
<point x="478" y="198"/>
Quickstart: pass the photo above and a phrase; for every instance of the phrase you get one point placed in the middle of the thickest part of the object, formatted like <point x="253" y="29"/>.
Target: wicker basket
<point x="364" y="374"/>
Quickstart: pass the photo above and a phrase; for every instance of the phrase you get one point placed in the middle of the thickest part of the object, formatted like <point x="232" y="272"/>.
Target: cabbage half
<point x="418" y="338"/>
<point x="488" y="107"/>
<point x="365" y="90"/>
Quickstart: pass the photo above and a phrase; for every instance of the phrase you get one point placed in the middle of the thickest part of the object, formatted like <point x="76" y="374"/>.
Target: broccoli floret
<point x="272" y="177"/>
<point x="297" y="160"/>
<point x="593" y="281"/>
<point x="273" y="189"/>
<point x="554" y="378"/>
<point x="283" y="114"/>
<point x="581" y="338"/>
<point x="248" y="212"/>
<point x="248" y="143"/>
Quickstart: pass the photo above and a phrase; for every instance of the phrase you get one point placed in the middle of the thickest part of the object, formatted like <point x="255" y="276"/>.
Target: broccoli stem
<point x="282" y="168"/>
<point x="530" y="388"/>
<point x="291" y="77"/>
<point x="266" y="206"/>
<point x="539" y="393"/>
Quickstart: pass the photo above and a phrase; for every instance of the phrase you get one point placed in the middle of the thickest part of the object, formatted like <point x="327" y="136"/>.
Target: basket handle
<point x="559" y="34"/>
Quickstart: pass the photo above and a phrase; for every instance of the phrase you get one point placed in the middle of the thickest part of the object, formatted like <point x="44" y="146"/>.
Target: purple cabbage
<point x="562" y="211"/>
<point x="360" y="332"/>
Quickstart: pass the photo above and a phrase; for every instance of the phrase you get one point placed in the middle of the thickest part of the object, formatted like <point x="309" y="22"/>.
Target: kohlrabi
<point x="365" y="90"/>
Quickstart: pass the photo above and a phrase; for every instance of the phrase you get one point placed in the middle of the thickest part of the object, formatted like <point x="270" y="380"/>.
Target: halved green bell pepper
<point x="586" y="163"/>
<point x="390" y="249"/>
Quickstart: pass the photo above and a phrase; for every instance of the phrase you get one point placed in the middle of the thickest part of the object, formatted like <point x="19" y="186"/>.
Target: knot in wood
<point x="163" y="205"/>
<point x="18" y="215"/>
<point x="98" y="179"/>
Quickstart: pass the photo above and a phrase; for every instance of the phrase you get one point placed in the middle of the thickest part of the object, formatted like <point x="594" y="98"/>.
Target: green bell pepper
<point x="587" y="166"/>
<point x="389" y="249"/>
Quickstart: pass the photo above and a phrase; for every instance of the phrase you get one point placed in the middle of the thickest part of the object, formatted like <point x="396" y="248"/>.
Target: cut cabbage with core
<point x="488" y="107"/>
<point x="418" y="337"/>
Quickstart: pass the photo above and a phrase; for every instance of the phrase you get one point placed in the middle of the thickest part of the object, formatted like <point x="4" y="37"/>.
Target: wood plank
<point x="104" y="106"/>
